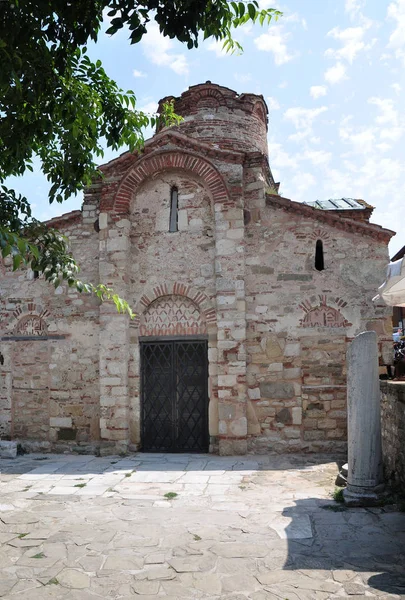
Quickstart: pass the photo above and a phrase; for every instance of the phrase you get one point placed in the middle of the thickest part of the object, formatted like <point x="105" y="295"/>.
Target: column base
<point x="355" y="496"/>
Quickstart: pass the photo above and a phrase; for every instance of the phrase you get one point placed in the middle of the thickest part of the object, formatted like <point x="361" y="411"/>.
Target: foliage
<point x="338" y="495"/>
<point x="170" y="495"/>
<point x="61" y="108"/>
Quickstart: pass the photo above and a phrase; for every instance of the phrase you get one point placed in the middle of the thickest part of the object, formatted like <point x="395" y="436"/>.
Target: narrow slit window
<point x="319" y="261"/>
<point x="174" y="210"/>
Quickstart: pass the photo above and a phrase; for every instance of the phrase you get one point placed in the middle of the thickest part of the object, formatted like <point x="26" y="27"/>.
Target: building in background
<point x="398" y="312"/>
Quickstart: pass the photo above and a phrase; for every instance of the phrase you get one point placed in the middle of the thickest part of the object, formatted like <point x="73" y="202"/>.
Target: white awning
<point x="392" y="291"/>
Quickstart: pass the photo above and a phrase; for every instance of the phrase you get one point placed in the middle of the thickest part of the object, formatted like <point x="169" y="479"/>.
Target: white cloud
<point x="272" y="103"/>
<point x="218" y="47"/>
<point x="317" y="91"/>
<point x="275" y="41"/>
<point x="352" y="43"/>
<point x="396" y="87"/>
<point x="386" y="128"/>
<point x="302" y="119"/>
<point x="396" y="12"/>
<point x="361" y="139"/>
<point x="388" y="113"/>
<point x="384" y="147"/>
<point x="282" y="85"/>
<point x="159" y="50"/>
<point x="242" y="77"/>
<point x="137" y="73"/>
<point x="279" y="158"/>
<point x="353" y="7"/>
<point x="393" y="126"/>
<point x="302" y="181"/>
<point x="268" y="4"/>
<point x="392" y="133"/>
<point x="149" y="107"/>
<point x="317" y="157"/>
<point x="336" y="74"/>
<point x="295" y="18"/>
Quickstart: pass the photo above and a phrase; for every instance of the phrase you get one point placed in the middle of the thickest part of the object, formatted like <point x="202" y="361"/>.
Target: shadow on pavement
<point x="370" y="542"/>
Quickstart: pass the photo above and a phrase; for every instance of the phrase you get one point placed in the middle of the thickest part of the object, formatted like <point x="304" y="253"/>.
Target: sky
<point x="333" y="75"/>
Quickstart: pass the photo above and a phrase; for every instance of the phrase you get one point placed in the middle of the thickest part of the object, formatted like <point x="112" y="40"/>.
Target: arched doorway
<point x="174" y="377"/>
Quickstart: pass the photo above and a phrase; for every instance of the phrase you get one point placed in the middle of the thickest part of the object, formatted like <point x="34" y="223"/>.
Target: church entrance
<point x="174" y="395"/>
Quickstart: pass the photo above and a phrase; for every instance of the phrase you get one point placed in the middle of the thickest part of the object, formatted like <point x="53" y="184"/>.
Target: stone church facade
<point x="245" y="302"/>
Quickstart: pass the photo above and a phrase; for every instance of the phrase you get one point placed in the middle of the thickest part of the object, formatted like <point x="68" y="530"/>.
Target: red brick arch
<point x="162" y="161"/>
<point x="177" y="288"/>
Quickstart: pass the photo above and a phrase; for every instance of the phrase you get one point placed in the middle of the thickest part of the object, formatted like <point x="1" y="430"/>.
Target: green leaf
<point x="17" y="258"/>
<point x="252" y="11"/>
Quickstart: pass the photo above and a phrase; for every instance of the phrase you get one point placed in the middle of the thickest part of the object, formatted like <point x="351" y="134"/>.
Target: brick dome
<point x="223" y="118"/>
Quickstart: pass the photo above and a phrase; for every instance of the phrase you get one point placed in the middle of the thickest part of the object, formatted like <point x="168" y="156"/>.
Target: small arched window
<point x="174" y="210"/>
<point x="319" y="261"/>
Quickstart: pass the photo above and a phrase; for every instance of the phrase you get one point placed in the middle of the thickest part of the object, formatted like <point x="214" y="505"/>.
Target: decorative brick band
<point x="176" y="289"/>
<point x="162" y="161"/>
<point x="28" y="319"/>
<point x="172" y="315"/>
<point x="324" y="315"/>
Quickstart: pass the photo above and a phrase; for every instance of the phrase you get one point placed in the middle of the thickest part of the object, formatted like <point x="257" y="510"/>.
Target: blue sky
<point x="333" y="75"/>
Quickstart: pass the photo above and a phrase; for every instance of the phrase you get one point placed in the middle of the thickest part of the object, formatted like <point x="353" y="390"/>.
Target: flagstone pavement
<point x="183" y="526"/>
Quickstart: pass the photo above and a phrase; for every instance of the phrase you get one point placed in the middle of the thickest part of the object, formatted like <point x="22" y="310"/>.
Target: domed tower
<point x="222" y="118"/>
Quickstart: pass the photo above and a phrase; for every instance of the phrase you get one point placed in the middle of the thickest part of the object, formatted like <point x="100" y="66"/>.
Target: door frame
<point x="176" y="338"/>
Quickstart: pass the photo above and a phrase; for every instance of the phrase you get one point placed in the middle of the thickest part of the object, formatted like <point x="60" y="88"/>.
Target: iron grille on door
<point x="174" y="392"/>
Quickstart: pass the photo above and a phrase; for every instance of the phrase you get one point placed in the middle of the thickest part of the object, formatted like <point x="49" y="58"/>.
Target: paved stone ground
<point x="257" y="528"/>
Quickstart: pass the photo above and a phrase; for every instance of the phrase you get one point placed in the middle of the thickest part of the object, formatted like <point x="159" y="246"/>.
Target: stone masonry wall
<point x="393" y="431"/>
<point x="299" y="321"/>
<point x="49" y="343"/>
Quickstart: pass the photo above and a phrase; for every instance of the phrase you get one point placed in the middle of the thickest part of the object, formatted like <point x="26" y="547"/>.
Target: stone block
<point x="284" y="416"/>
<point x="311" y="436"/>
<point x="8" y="449"/>
<point x="292" y="349"/>
<point x="226" y="380"/>
<point x="262" y="270"/>
<point x="254" y="393"/>
<point x="232" y="447"/>
<point x="291" y="433"/>
<point x="226" y="411"/>
<point x="60" y="421"/>
<point x="182" y="220"/>
<point x="292" y="373"/>
<point x="296" y="412"/>
<point x="103" y="220"/>
<point x="293" y="277"/>
<point x="115" y="244"/>
<point x="238" y="427"/>
<point x="226" y="247"/>
<point x="274" y="347"/>
<point x="276" y="389"/>
<point x="276" y="367"/>
<point x="327" y="423"/>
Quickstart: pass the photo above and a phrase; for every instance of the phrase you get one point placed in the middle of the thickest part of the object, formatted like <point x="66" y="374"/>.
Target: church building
<point x="245" y="302"/>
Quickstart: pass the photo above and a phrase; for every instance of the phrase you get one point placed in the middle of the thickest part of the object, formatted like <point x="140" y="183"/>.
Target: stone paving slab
<point x="153" y="526"/>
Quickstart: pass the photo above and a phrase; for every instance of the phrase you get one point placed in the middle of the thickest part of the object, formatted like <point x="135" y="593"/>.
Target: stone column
<point x="365" y="477"/>
<point x="114" y="337"/>
<point x="231" y="322"/>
